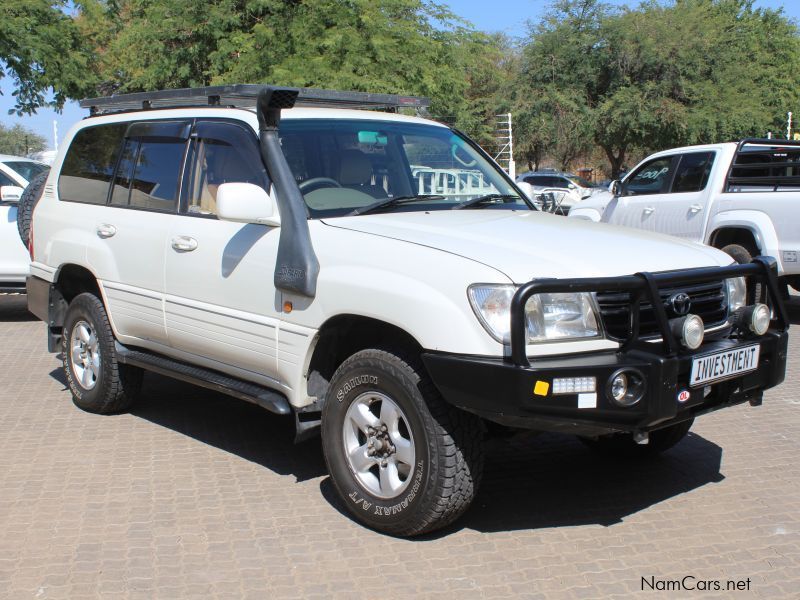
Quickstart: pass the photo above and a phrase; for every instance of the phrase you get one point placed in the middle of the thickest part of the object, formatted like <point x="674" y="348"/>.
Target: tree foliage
<point x="400" y="46"/>
<point x="19" y="140"/>
<point x="660" y="75"/>
<point x="40" y="49"/>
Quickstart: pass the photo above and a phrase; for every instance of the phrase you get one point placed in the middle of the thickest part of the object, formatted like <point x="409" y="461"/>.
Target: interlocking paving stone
<point x="195" y="495"/>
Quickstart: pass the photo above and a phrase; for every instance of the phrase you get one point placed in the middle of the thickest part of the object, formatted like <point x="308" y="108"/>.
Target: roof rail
<point x="246" y="96"/>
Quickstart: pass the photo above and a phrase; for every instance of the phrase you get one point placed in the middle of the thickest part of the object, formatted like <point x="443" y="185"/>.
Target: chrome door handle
<point x="184" y="243"/>
<point x="104" y="230"/>
<point x="695" y="208"/>
<point x="649" y="210"/>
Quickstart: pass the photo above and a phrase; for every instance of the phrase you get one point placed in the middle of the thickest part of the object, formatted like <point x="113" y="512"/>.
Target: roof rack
<point x="764" y="164"/>
<point x="246" y="96"/>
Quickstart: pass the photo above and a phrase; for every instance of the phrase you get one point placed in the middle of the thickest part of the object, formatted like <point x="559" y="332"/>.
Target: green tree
<point x="664" y="74"/>
<point x="404" y="46"/>
<point x="20" y="141"/>
<point x="40" y="50"/>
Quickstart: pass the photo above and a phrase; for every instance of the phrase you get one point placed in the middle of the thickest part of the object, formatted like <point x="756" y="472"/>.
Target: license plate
<point x="724" y="365"/>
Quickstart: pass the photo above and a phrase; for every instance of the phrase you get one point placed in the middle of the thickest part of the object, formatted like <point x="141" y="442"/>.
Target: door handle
<point x="695" y="208"/>
<point x="649" y="210"/>
<point x="105" y="230"/>
<point x="184" y="243"/>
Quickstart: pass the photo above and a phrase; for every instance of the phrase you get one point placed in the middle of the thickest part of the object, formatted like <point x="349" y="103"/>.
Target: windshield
<point x="344" y="165"/>
<point x="28" y="170"/>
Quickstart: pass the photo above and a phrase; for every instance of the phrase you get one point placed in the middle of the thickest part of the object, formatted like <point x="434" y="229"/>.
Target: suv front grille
<point x="708" y="301"/>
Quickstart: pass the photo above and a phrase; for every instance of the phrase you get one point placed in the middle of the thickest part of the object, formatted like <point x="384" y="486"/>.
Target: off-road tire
<point x="738" y="253"/>
<point x="622" y="445"/>
<point x="116" y="386"/>
<point x="448" y="456"/>
<point x="743" y="256"/>
<point x="27" y="202"/>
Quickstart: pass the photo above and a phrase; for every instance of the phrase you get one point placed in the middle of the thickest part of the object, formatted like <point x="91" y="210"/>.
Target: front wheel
<point x="402" y="460"/>
<point x="98" y="383"/>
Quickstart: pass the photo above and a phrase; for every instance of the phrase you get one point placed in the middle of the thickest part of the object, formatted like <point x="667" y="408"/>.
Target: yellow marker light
<point x="287" y="307"/>
<point x="541" y="388"/>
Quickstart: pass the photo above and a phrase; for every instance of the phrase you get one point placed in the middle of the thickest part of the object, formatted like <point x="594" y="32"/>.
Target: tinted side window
<point x="651" y="178"/>
<point x="148" y="174"/>
<point x="120" y="192"/>
<point x="154" y="184"/>
<point x="89" y="163"/>
<point x="222" y="153"/>
<point x="6" y="180"/>
<point x="692" y="172"/>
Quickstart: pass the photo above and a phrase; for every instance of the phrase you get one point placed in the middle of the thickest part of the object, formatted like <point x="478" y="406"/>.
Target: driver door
<point x="637" y="205"/>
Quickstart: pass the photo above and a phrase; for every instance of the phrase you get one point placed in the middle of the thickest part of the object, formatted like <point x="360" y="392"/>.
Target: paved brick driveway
<point x="197" y="495"/>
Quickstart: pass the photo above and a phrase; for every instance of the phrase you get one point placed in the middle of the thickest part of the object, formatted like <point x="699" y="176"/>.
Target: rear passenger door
<point x="221" y="303"/>
<point x="126" y="237"/>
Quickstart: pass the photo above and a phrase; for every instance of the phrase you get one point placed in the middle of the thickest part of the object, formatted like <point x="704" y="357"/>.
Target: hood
<point x="529" y="244"/>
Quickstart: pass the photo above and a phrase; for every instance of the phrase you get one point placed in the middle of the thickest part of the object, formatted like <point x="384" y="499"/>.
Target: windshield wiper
<point x="391" y="202"/>
<point x="485" y="200"/>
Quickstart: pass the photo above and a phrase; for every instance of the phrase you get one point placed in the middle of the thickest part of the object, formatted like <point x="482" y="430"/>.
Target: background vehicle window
<point x="27" y="169"/>
<point x="6" y="180"/>
<point x="692" y="172"/>
<point x="222" y="153"/>
<point x="89" y="163"/>
<point x="651" y="178"/>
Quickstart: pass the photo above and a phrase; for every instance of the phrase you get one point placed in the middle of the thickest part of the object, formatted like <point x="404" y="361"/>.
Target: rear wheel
<point x="623" y="445"/>
<point x="402" y="460"/>
<point x="98" y="383"/>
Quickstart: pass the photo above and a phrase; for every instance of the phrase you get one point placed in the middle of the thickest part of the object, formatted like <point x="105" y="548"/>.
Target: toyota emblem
<point x="680" y="303"/>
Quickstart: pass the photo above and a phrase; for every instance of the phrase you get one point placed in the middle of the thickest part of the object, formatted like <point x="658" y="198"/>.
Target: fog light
<point x="690" y="329"/>
<point x="574" y="385"/>
<point x="754" y="318"/>
<point x="626" y="387"/>
<point x="759" y="320"/>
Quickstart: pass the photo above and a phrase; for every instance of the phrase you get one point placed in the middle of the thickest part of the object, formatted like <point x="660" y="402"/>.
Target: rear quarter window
<point x="89" y="163"/>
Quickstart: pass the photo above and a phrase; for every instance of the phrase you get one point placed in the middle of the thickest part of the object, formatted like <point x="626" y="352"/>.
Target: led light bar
<point x="574" y="385"/>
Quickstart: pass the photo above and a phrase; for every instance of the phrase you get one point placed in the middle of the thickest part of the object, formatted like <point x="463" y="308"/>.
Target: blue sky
<point x="508" y="16"/>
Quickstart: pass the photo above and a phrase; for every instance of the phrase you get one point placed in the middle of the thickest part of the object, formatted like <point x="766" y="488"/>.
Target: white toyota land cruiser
<point x="378" y="277"/>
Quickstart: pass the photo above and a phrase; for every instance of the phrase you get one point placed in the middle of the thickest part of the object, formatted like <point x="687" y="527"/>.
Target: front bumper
<point x="505" y="393"/>
<point x="515" y="391"/>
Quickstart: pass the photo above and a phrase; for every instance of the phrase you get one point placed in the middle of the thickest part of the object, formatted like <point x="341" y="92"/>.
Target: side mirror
<point x="10" y="193"/>
<point x="247" y="203"/>
<point x="615" y="187"/>
<point x="586" y="194"/>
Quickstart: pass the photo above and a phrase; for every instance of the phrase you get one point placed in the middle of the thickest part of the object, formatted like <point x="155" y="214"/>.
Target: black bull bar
<point x="645" y="286"/>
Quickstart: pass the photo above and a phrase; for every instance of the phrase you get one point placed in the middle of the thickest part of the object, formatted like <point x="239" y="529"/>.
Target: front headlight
<point x="548" y="317"/>
<point x="737" y="293"/>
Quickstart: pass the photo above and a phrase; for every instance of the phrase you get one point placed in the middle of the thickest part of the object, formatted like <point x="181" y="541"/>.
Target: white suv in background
<point x="567" y="190"/>
<point x="312" y="261"/>
<point x="15" y="174"/>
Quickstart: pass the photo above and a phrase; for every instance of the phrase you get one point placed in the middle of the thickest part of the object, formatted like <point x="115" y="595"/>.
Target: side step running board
<point x="271" y="400"/>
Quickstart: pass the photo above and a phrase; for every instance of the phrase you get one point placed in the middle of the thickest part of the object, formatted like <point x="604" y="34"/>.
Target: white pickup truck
<point x="740" y="197"/>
